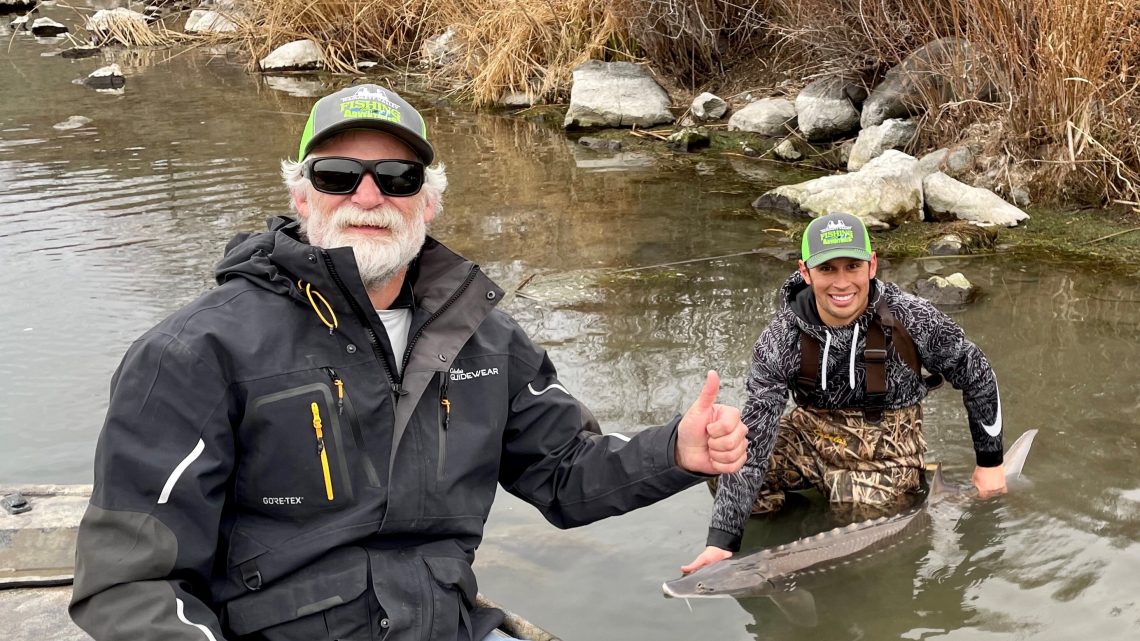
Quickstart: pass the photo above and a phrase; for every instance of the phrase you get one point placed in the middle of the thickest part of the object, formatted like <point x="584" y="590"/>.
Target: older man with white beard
<point x="310" y="450"/>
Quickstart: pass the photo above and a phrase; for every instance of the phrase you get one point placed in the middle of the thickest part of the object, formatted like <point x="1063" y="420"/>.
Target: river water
<point x="107" y="228"/>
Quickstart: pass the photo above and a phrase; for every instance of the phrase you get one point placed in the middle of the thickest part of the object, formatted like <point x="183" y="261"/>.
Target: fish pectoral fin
<point x="797" y="605"/>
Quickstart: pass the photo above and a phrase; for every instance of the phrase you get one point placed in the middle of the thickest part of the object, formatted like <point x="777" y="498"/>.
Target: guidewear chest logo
<point x="365" y="103"/>
<point x="836" y="233"/>
<point x="458" y="374"/>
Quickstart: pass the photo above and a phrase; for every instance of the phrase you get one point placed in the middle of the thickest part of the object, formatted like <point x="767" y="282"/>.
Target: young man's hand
<point x="990" y="481"/>
<point x="712" y="554"/>
<point x="711" y="438"/>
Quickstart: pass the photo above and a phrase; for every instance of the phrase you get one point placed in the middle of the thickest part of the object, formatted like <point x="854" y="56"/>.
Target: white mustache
<point x="387" y="217"/>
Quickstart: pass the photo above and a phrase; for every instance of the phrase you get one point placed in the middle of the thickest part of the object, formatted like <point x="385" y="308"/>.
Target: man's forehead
<point x="363" y="135"/>
<point x="841" y="261"/>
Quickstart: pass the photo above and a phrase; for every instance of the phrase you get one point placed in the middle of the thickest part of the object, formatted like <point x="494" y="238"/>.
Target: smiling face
<point x="841" y="287"/>
<point x="385" y="232"/>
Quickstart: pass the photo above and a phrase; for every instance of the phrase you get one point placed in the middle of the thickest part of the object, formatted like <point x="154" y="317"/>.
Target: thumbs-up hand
<point x="711" y="438"/>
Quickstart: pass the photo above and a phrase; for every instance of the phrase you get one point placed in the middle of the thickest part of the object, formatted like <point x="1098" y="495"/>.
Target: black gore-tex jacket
<point x="213" y="516"/>
<point x="942" y="347"/>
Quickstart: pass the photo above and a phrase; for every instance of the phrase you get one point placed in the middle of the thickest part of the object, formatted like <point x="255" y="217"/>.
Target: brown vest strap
<point x="883" y="331"/>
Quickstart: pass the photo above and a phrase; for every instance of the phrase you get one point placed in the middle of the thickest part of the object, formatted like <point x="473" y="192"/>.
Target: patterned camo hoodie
<point x="941" y="344"/>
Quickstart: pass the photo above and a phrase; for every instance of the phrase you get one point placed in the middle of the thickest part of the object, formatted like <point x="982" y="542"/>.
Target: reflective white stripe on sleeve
<point x="530" y="387"/>
<point x="190" y="458"/>
<point x="181" y="607"/>
<point x="621" y="437"/>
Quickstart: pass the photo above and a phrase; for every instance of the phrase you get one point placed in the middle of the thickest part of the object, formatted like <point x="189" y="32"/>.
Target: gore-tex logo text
<point x="282" y="500"/>
<point x="463" y="375"/>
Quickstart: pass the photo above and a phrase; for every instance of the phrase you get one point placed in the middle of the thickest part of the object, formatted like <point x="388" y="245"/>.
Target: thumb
<point x="708" y="393"/>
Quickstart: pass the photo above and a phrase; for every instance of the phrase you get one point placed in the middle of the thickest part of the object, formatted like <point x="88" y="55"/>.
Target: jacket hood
<point x="248" y="255"/>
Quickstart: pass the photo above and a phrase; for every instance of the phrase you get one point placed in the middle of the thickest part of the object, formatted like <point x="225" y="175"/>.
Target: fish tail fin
<point x="1014" y="459"/>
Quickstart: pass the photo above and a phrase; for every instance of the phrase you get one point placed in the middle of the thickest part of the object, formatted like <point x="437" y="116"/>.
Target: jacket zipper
<point x="339" y="384"/>
<point x="358" y="437"/>
<point x="419" y="332"/>
<point x="319" y="429"/>
<point x="393" y="384"/>
<point x="444" y="419"/>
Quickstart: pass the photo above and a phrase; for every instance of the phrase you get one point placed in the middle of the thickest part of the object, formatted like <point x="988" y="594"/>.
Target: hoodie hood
<point x="798" y="300"/>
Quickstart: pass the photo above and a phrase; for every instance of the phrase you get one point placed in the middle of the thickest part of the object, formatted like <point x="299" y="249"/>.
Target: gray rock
<point x="1019" y="196"/>
<point x="440" y="50"/>
<point x="885" y="193"/>
<point x="109" y="77"/>
<point x="689" y="139"/>
<point x="79" y="52"/>
<point x="600" y="144"/>
<point x="708" y="106"/>
<point x="616" y="94"/>
<point x="768" y="117"/>
<point x="516" y="99"/>
<point x="787" y="150"/>
<point x="299" y="55"/>
<point x="873" y="141"/>
<point x="202" y="21"/>
<point x="955" y="289"/>
<point x="103" y="21"/>
<point x="74" y="122"/>
<point x="948" y="245"/>
<point x="47" y="28"/>
<point x="982" y="207"/>
<point x="825" y="108"/>
<point x="11" y="6"/>
<point x="953" y="162"/>
<point x="940" y="71"/>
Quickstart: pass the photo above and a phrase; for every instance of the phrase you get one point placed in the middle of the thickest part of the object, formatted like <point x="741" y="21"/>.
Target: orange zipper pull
<point x="319" y="429"/>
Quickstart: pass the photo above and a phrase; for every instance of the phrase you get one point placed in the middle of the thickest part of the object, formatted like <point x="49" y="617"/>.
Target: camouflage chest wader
<point x="863" y="457"/>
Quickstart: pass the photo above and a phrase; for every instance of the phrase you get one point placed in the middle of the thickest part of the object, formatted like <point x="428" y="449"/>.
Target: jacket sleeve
<point x="146" y="543"/>
<point x="767" y="396"/>
<point x="944" y="349"/>
<point x="554" y="458"/>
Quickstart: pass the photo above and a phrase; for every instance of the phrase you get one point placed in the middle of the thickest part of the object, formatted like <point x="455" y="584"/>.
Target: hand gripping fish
<point x="777" y="572"/>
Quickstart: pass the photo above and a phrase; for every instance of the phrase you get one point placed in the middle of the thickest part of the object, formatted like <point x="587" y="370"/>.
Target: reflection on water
<point x="107" y="227"/>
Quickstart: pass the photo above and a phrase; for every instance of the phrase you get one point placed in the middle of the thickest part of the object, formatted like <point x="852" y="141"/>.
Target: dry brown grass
<point x="1066" y="69"/>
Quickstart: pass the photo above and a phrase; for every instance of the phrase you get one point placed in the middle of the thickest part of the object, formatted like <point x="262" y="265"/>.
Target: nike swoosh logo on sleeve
<point x="995" y="428"/>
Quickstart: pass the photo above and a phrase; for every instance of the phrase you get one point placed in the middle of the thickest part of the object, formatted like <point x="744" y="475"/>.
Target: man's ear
<point x="807" y="275"/>
<point x="874" y="264"/>
<point x="300" y="202"/>
<point x="431" y="206"/>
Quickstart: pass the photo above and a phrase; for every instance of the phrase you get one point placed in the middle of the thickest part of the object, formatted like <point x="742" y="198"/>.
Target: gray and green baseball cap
<point x="835" y="236"/>
<point x="366" y="107"/>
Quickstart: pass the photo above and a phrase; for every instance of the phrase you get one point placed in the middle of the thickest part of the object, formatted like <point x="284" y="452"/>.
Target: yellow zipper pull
<point x="321" y="448"/>
<point x="339" y="396"/>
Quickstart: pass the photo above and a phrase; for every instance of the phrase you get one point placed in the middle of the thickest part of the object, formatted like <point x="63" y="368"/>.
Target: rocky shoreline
<point x="833" y="124"/>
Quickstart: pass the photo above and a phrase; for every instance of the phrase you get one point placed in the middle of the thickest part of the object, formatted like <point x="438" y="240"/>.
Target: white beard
<point x="377" y="258"/>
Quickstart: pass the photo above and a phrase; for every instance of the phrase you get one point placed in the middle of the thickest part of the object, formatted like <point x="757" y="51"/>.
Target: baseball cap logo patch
<point x="836" y="233"/>
<point x="368" y="109"/>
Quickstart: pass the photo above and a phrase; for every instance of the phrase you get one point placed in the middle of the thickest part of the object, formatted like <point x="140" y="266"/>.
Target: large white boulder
<point x="616" y="94"/>
<point x="887" y="192"/>
<point x="202" y="21"/>
<point x="873" y="141"/>
<point x="767" y="117"/>
<point x="299" y="55"/>
<point x="982" y="207"/>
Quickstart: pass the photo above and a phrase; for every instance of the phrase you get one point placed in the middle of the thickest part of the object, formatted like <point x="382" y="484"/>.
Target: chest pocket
<point x="299" y="457"/>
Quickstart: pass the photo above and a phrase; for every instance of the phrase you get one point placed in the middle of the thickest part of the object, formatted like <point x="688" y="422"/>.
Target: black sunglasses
<point x="340" y="175"/>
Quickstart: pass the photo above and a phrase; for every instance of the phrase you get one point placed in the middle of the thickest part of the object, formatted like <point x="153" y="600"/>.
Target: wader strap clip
<point x="250" y="575"/>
